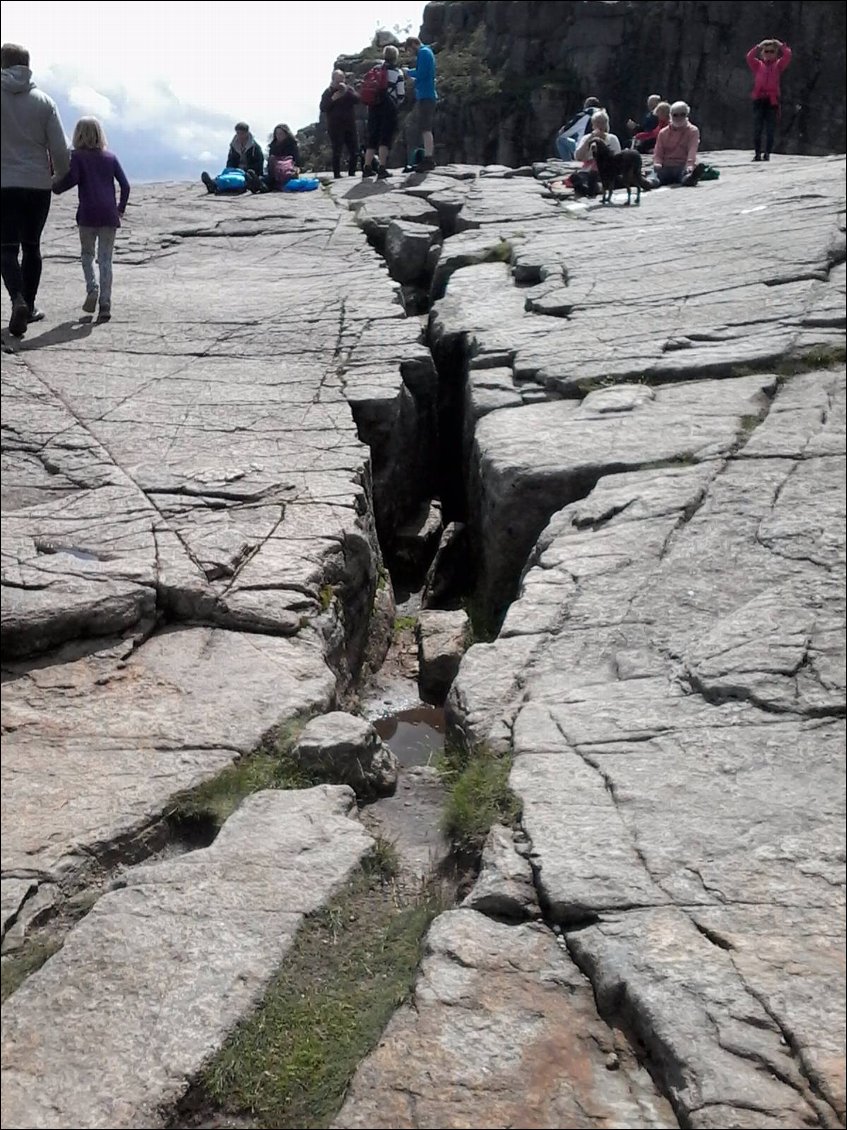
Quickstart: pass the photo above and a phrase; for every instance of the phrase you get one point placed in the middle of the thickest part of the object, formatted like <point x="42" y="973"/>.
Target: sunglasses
<point x="679" y="115"/>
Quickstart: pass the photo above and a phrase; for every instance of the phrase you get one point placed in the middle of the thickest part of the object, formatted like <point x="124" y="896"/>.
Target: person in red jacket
<point x="767" y="60"/>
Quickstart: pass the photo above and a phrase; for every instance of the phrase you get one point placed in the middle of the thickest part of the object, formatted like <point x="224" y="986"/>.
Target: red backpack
<point x="374" y="85"/>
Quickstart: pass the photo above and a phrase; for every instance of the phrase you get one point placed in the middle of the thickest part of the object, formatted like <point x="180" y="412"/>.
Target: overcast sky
<point x="169" y="80"/>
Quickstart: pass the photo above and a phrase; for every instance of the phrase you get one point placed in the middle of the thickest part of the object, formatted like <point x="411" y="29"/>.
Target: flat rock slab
<point x="95" y="746"/>
<point x="670" y="683"/>
<point x="199" y="455"/>
<point x="503" y="1032"/>
<point x="112" y="1029"/>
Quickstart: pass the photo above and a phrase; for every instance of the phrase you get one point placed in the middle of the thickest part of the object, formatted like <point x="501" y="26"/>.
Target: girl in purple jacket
<point x="95" y="171"/>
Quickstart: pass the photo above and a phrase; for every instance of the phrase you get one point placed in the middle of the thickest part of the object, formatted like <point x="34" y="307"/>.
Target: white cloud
<point x="90" y="101"/>
<point x="177" y="76"/>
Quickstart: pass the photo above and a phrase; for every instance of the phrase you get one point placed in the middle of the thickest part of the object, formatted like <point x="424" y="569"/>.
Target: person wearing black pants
<point x="32" y="149"/>
<point x="22" y="221"/>
<point x="338" y="103"/>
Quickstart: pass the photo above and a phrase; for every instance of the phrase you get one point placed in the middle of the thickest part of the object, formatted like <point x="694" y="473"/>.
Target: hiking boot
<point x="757" y="157"/>
<point x="690" y="179"/>
<point x="766" y="156"/>
<point x="209" y="183"/>
<point x="105" y="314"/>
<point x="383" y="174"/>
<point x="425" y="165"/>
<point x="367" y="173"/>
<point x="19" y="318"/>
<point x="90" y="304"/>
<point x="36" y="315"/>
<point x="252" y="181"/>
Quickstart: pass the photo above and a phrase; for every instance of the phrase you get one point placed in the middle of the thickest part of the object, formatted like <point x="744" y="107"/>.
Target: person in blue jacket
<point x="423" y="73"/>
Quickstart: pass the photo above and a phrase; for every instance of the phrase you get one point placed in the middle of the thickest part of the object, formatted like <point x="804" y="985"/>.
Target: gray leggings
<point x="105" y="240"/>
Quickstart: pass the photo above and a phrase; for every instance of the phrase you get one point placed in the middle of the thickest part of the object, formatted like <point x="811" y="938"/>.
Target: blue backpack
<point x="301" y="184"/>
<point x="231" y="180"/>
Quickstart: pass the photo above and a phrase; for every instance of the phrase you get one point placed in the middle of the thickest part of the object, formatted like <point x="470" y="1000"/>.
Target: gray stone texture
<point x="347" y="750"/>
<point x="442" y="641"/>
<point x="653" y="440"/>
<point x="113" y="1028"/>
<point x="503" y="1032"/>
<point x="655" y="466"/>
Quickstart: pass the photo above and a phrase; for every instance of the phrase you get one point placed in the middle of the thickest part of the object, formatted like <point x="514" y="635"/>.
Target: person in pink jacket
<point x="767" y="60"/>
<point x="675" y="155"/>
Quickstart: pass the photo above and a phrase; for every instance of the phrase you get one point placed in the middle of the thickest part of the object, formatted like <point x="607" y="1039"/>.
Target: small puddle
<point x="414" y="736"/>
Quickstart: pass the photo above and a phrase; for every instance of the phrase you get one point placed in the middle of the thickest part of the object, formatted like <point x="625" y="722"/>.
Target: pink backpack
<point x="283" y="169"/>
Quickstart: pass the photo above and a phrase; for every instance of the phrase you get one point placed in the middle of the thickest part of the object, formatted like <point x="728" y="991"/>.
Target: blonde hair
<point x="600" y="120"/>
<point x="653" y="101"/>
<point x="664" y="107"/>
<point x="391" y="54"/>
<point x="88" y="134"/>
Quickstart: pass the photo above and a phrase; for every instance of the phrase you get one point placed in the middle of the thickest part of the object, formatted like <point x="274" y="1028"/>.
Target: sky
<point x="169" y="80"/>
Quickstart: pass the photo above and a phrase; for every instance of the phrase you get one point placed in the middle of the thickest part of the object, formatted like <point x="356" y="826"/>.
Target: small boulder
<point x="504" y="887"/>
<point x="347" y="750"/>
<point x="442" y="640"/>
<point x="407" y="246"/>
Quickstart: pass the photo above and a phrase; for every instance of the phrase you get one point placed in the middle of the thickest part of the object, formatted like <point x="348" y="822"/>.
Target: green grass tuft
<point x="269" y="767"/>
<point x="479" y="796"/>
<point x="17" y="966"/>
<point x="352" y="964"/>
<point x="405" y="623"/>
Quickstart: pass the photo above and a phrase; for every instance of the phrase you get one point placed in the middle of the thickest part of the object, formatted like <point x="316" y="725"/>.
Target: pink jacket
<point x="766" y="75"/>
<point x="677" y="147"/>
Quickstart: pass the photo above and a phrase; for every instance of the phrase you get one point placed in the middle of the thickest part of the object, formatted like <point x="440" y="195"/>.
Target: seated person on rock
<point x="675" y="155"/>
<point x="573" y="131"/>
<point x="586" y="181"/>
<point x="245" y="154"/>
<point x="644" y="136"/>
<point x="283" y="162"/>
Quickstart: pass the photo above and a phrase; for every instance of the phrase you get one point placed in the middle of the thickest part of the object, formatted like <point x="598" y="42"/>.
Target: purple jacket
<point x="95" y="171"/>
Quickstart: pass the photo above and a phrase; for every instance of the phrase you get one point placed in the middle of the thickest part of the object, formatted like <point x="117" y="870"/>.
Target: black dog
<point x="614" y="168"/>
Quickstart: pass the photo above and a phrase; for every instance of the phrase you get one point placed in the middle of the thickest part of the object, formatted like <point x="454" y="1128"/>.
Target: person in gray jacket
<point x="32" y="149"/>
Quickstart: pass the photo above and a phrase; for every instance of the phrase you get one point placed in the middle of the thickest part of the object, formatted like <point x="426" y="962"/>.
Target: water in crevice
<point x="415" y="736"/>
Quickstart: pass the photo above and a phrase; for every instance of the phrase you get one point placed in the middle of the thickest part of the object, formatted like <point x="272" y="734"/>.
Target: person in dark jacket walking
<point x="338" y="103"/>
<point x="94" y="170"/>
<point x="245" y="153"/>
<point x="32" y="149"/>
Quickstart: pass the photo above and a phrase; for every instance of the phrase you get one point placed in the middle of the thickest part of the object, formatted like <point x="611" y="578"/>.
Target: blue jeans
<point x="668" y="174"/>
<point x="566" y="147"/>
<point x="105" y="241"/>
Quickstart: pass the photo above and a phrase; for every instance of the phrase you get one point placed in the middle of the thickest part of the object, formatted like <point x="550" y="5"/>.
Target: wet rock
<point x="407" y="247"/>
<point x="505" y="886"/>
<point x="503" y="1032"/>
<point x="111" y="1030"/>
<point x="442" y="641"/>
<point x="345" y="749"/>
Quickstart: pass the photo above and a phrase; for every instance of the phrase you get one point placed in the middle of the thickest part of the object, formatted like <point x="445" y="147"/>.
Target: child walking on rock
<point x="94" y="170"/>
